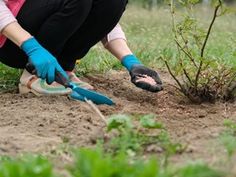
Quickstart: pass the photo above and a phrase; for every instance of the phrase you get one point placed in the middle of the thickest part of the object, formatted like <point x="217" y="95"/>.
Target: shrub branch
<point x="205" y="42"/>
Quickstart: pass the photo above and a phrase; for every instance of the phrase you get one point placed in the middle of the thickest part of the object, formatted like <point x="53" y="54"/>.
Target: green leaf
<point x="119" y="121"/>
<point x="148" y="121"/>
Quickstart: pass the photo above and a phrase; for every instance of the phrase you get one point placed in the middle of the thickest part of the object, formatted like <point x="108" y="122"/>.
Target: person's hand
<point x="146" y="78"/>
<point x="142" y="76"/>
<point x="45" y="64"/>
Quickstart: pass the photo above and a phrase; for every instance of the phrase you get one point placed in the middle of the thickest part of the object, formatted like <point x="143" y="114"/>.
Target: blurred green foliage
<point x="228" y="137"/>
<point x="96" y="163"/>
<point x="26" y="166"/>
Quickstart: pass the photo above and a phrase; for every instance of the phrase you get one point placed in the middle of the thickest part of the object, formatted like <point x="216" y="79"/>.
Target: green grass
<point x="9" y="78"/>
<point x="149" y="33"/>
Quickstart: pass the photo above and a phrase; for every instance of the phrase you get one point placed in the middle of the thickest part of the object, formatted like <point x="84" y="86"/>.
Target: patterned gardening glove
<point x="142" y="76"/>
<point x="146" y="78"/>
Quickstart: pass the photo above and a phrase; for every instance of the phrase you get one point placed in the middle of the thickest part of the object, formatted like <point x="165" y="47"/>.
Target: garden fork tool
<point x="78" y="93"/>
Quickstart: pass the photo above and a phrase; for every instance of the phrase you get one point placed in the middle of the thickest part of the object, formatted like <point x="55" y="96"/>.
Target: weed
<point x="135" y="139"/>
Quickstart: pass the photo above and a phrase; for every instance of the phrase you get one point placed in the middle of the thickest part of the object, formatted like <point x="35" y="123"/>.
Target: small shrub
<point x="199" y="76"/>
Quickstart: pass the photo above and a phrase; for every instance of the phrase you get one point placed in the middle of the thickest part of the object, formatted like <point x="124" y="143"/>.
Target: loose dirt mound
<point x="39" y="124"/>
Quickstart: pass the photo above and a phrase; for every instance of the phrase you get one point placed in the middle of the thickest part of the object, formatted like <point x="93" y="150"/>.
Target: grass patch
<point x="9" y="78"/>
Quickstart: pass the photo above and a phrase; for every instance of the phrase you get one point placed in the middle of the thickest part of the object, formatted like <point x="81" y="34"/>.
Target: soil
<point x="40" y="124"/>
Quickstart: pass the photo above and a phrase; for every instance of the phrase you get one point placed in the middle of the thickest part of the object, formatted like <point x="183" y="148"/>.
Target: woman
<point x="53" y="34"/>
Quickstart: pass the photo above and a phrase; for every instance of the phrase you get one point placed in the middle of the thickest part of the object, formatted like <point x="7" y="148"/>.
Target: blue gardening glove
<point x="45" y="64"/>
<point x="137" y="70"/>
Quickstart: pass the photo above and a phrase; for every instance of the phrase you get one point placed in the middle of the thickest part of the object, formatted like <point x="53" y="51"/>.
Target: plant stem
<point x="205" y="42"/>
<point x="186" y="53"/>
<point x="175" y="78"/>
<point x="179" y="47"/>
<point x="210" y="28"/>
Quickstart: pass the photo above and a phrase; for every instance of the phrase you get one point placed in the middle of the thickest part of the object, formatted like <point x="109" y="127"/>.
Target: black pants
<point x="67" y="28"/>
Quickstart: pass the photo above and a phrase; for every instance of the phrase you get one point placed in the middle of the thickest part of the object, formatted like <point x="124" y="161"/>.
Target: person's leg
<point x="102" y="18"/>
<point x="52" y="22"/>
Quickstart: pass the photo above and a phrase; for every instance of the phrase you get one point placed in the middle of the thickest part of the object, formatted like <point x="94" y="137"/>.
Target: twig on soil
<point x="96" y="110"/>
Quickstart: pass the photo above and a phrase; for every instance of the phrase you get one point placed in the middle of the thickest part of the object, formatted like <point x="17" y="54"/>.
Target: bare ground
<point x="40" y="124"/>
